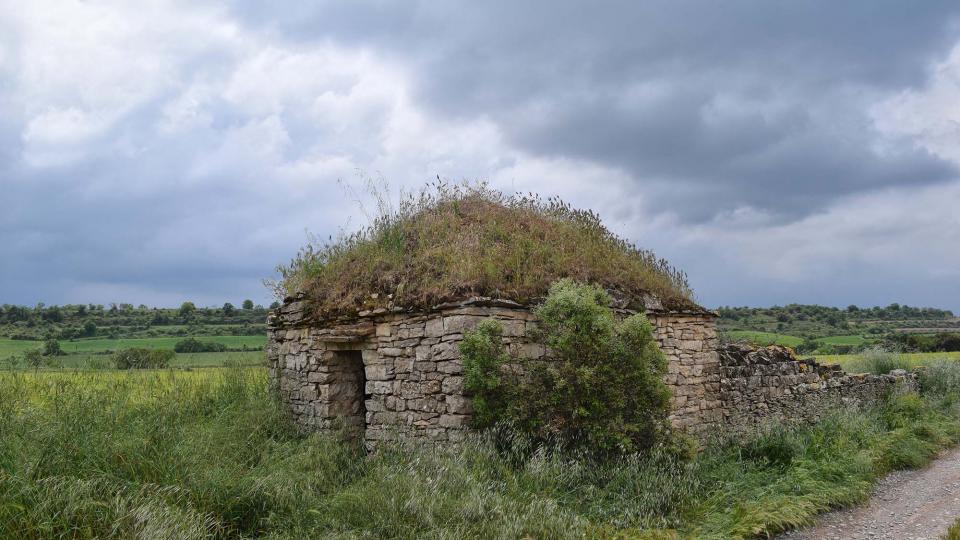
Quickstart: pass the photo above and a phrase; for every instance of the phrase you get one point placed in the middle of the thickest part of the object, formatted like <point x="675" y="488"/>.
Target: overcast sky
<point x="155" y="152"/>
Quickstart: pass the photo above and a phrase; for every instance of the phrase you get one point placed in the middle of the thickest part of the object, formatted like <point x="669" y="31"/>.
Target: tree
<point x="228" y="309"/>
<point x="89" y="328"/>
<point x="187" y="309"/>
<point x="274" y="305"/>
<point x="248" y="304"/>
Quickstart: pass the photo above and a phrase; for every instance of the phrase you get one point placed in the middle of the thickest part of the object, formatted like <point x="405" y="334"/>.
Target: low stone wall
<point x="766" y="385"/>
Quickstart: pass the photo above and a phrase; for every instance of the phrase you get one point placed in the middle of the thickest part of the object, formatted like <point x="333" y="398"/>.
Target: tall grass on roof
<point x="449" y="242"/>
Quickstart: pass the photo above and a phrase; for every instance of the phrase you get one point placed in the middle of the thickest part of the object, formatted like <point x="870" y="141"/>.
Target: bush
<point x="51" y="347"/>
<point x="483" y="354"/>
<point x="193" y="345"/>
<point x="601" y="390"/>
<point x="138" y="358"/>
<point x="34" y="358"/>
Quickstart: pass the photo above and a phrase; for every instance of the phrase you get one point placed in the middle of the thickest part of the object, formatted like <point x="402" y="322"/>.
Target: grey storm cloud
<point x="757" y="103"/>
<point x="166" y="152"/>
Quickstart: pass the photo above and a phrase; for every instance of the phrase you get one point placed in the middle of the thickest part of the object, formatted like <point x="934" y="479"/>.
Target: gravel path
<point x="906" y="505"/>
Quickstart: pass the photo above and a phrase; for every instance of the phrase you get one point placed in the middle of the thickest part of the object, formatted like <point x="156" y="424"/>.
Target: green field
<point x="771" y="338"/>
<point x="763" y="338"/>
<point x="852" y="340"/>
<point x="10" y="346"/>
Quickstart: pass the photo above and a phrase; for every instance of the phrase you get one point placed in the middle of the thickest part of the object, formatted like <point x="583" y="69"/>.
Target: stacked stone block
<point x="689" y="341"/>
<point x="770" y="385"/>
<point x="414" y="377"/>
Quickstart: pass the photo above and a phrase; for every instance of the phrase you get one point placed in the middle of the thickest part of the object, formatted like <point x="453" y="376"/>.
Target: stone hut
<point x="397" y="373"/>
<point x="374" y="346"/>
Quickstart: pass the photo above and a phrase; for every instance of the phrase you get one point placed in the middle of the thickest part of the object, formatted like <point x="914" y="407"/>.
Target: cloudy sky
<point x="778" y="152"/>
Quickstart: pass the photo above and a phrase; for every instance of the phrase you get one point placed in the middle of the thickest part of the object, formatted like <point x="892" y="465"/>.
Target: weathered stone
<point x="404" y="370"/>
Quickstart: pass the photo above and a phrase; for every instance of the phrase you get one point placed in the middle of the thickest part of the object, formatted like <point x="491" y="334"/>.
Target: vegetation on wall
<point x="602" y="388"/>
<point x="451" y="242"/>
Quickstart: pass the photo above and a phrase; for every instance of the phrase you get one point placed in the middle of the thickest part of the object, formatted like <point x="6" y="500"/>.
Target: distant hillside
<point x="835" y="329"/>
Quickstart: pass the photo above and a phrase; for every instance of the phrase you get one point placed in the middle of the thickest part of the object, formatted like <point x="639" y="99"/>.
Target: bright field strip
<point x="763" y="338"/>
<point x="12" y="346"/>
<point x="914" y="359"/>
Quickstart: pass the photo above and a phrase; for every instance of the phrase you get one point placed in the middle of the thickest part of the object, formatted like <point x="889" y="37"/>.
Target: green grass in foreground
<point x="954" y="532"/>
<point x="208" y="454"/>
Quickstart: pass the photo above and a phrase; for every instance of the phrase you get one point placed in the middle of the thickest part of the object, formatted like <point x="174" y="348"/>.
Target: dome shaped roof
<point x="455" y="243"/>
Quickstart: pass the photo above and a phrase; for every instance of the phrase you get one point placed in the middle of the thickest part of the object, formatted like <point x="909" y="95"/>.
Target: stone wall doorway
<point x="347" y="387"/>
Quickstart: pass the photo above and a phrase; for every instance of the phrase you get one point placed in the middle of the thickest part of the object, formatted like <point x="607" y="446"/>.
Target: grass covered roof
<point x="450" y="243"/>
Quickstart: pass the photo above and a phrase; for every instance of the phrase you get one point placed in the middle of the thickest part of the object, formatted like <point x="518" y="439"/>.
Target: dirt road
<point x="907" y="505"/>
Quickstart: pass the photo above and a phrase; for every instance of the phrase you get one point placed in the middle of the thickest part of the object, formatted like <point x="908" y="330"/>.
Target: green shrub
<point x="193" y="345"/>
<point x="483" y="353"/>
<point x="51" y="347"/>
<point x="601" y="389"/>
<point x="34" y="358"/>
<point x="138" y="358"/>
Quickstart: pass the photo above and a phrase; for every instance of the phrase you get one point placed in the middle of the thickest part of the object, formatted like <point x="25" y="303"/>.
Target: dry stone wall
<point x="767" y="385"/>
<point x="392" y="375"/>
<point x="396" y="375"/>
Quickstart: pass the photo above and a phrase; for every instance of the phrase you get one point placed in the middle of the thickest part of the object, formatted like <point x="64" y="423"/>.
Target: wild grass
<point x="913" y="359"/>
<point x="877" y="361"/>
<point x="453" y="242"/>
<point x="209" y="454"/>
<point x="97" y="361"/>
<point x="954" y="532"/>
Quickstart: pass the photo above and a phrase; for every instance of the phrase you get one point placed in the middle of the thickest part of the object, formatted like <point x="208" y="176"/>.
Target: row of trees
<point x="893" y="312"/>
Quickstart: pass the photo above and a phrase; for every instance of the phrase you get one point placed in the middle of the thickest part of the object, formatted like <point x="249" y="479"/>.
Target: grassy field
<point x="909" y="359"/>
<point x="764" y="338"/>
<point x="853" y="340"/>
<point x="209" y="454"/>
<point x="10" y="346"/>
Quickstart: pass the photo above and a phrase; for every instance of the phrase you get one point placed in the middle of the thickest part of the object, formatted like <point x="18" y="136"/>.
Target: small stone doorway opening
<point x="348" y="390"/>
